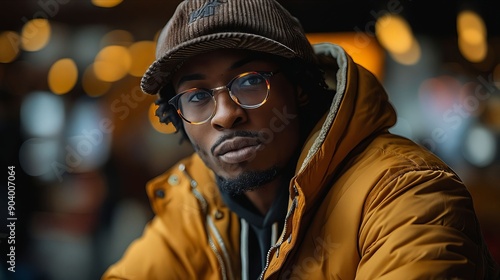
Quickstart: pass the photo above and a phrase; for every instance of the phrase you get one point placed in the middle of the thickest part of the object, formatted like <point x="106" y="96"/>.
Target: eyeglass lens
<point x="249" y="90"/>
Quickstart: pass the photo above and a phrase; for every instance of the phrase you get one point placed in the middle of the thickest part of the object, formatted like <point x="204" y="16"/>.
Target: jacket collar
<point x="359" y="109"/>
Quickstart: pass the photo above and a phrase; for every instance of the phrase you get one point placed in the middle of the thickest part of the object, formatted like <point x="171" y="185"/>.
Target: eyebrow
<point x="191" y="77"/>
<point x="237" y="64"/>
<point x="245" y="60"/>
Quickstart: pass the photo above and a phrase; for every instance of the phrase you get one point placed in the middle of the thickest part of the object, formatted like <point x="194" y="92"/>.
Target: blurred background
<point x="84" y="140"/>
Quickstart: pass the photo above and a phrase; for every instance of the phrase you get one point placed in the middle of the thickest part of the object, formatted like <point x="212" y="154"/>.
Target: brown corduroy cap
<point x="200" y="26"/>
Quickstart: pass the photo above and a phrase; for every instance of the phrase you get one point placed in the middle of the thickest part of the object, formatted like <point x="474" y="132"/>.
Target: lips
<point x="237" y="149"/>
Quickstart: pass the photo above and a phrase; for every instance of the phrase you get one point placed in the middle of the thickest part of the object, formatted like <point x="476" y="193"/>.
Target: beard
<point x="247" y="181"/>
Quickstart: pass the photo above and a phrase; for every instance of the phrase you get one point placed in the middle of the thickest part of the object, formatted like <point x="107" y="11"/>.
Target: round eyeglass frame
<point x="265" y="74"/>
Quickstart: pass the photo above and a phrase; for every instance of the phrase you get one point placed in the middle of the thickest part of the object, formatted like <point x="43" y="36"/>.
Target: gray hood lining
<point x="336" y="52"/>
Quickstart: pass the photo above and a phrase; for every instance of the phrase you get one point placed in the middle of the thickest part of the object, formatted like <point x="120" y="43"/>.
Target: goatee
<point x="247" y="181"/>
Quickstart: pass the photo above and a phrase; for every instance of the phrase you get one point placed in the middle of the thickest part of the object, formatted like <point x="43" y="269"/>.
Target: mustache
<point x="239" y="133"/>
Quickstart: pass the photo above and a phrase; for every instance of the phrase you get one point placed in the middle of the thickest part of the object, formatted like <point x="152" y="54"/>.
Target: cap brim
<point x="160" y="72"/>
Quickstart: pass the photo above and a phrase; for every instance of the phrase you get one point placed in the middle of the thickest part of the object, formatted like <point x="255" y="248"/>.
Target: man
<point x="295" y="174"/>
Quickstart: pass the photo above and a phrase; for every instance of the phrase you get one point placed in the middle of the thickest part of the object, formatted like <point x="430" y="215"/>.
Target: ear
<point x="302" y="97"/>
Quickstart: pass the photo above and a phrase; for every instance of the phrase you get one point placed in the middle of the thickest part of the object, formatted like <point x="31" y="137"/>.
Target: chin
<point x="247" y="180"/>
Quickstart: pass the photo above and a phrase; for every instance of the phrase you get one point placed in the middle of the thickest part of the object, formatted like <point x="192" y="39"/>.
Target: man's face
<point x="237" y="142"/>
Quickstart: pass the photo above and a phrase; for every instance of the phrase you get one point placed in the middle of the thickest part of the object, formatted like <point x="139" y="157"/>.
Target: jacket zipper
<point x="282" y="238"/>
<point x="227" y="273"/>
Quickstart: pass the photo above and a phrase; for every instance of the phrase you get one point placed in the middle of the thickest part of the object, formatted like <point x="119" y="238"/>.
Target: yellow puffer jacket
<point x="364" y="204"/>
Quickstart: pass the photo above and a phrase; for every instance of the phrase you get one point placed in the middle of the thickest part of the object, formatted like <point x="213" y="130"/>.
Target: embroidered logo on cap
<point x="208" y="9"/>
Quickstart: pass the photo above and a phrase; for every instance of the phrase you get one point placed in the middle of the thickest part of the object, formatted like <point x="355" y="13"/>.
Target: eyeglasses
<point x="249" y="90"/>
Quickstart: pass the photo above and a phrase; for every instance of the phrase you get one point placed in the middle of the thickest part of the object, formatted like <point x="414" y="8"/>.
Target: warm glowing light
<point x="470" y="23"/>
<point x="9" y="44"/>
<point x="412" y="56"/>
<point x="471" y="31"/>
<point x="155" y="122"/>
<point x="472" y="52"/>
<point x="363" y="48"/>
<point x="92" y="85"/>
<point x="394" y="33"/>
<point x="112" y="63"/>
<point x="62" y="76"/>
<point x="106" y="3"/>
<point x="117" y="37"/>
<point x="143" y="54"/>
<point x="35" y="34"/>
<point x="472" y="36"/>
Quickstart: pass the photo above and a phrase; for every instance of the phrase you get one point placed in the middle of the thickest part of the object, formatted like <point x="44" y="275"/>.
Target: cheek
<point x="200" y="143"/>
<point x="285" y="110"/>
<point x="288" y="133"/>
<point x="282" y="123"/>
<point x="286" y="114"/>
<point x="195" y="136"/>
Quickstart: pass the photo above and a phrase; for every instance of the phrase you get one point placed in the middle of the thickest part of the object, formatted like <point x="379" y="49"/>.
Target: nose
<point x="228" y="113"/>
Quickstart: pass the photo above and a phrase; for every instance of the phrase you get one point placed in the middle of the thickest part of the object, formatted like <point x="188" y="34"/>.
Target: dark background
<point x="435" y="18"/>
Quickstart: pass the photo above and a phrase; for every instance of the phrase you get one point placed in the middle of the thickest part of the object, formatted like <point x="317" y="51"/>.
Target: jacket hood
<point x="359" y="109"/>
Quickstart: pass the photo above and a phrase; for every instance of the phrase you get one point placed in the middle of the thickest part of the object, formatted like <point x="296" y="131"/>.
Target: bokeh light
<point x="117" y="37"/>
<point x="472" y="35"/>
<point x="89" y="135"/>
<point x="155" y="122"/>
<point x="106" y="3"/>
<point x="112" y="63"/>
<point x="62" y="76"/>
<point x="42" y="114"/>
<point x="363" y="48"/>
<point x="473" y="53"/>
<point x="471" y="27"/>
<point x="480" y="146"/>
<point x="409" y="57"/>
<point x="395" y="35"/>
<point x="36" y="155"/>
<point x="9" y="44"/>
<point x="142" y="54"/>
<point x="35" y="34"/>
<point x="93" y="86"/>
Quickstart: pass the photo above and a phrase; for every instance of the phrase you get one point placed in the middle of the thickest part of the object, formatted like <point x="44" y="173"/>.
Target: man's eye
<point x="251" y="80"/>
<point x="198" y="96"/>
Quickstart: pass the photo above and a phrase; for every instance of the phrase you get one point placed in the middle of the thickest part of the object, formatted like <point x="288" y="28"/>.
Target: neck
<point x="263" y="198"/>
